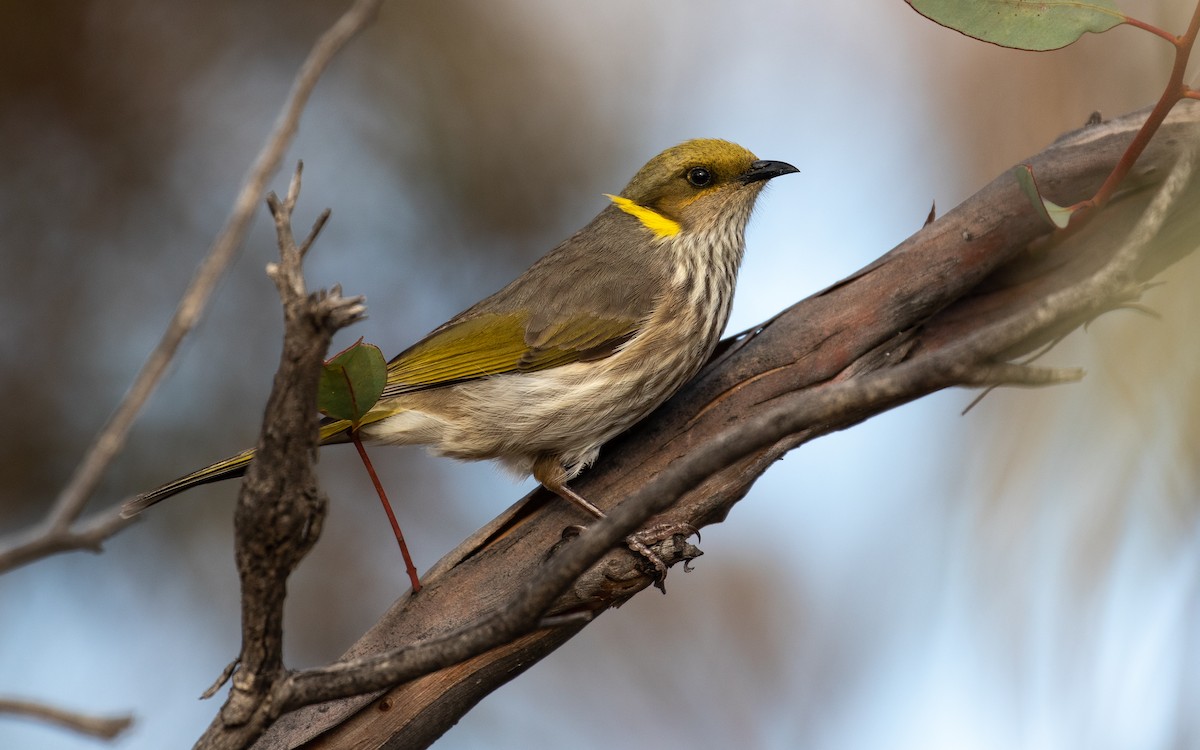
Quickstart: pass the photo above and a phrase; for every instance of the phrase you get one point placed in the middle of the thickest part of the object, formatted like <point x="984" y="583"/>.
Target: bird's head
<point x="695" y="184"/>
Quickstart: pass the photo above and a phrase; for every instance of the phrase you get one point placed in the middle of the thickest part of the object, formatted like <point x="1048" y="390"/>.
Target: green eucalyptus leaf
<point x="1055" y="214"/>
<point x="1023" y="24"/>
<point x="351" y="382"/>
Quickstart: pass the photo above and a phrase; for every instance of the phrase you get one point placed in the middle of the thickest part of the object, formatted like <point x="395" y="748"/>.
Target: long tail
<point x="234" y="466"/>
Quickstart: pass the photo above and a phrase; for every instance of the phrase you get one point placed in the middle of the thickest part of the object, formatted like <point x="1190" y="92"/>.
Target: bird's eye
<point x="699" y="177"/>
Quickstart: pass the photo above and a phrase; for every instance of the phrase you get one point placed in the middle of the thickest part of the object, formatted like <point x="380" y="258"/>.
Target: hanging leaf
<point x="1023" y="24"/>
<point x="1055" y="214"/>
<point x="351" y="382"/>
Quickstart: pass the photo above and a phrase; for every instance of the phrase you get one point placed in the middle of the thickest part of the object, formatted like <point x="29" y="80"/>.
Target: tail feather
<point x="234" y="466"/>
<point x="332" y="431"/>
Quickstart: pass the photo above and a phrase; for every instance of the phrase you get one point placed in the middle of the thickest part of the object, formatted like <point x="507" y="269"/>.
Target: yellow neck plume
<point x="659" y="225"/>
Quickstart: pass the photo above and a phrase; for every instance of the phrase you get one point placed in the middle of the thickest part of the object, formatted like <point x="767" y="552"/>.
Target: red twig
<point x="1174" y="91"/>
<point x="387" y="508"/>
<point x="1131" y="21"/>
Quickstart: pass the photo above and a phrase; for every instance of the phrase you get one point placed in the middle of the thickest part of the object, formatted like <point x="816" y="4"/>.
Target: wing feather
<point x="489" y="345"/>
<point x="556" y="313"/>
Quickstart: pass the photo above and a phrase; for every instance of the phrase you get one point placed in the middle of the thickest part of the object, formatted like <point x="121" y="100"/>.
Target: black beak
<point x="765" y="170"/>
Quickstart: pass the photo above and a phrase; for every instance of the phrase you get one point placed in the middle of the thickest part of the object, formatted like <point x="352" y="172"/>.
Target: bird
<point x="581" y="346"/>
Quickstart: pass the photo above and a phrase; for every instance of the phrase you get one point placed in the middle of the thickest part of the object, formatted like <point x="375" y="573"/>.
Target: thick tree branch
<point x="952" y="305"/>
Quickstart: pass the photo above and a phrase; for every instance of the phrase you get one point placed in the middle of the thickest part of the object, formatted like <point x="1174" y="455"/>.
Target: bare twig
<point x="222" y="678"/>
<point x="280" y="509"/>
<point x="54" y="534"/>
<point x="104" y="727"/>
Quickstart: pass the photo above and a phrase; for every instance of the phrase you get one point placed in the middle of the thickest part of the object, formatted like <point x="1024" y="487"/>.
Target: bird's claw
<point x="640" y="544"/>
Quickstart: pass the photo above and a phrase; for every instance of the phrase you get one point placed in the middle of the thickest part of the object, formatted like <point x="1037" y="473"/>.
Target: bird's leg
<point x="561" y="489"/>
<point x="552" y="476"/>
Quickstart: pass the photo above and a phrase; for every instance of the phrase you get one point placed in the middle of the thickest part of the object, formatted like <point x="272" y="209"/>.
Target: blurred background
<point x="1022" y="576"/>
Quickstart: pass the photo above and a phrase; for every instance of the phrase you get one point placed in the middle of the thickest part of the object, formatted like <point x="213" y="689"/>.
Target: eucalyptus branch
<point x="1174" y="91"/>
<point x="802" y="374"/>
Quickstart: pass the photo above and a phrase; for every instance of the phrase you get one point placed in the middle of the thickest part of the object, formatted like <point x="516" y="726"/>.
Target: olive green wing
<point x="497" y="343"/>
<point x="580" y="302"/>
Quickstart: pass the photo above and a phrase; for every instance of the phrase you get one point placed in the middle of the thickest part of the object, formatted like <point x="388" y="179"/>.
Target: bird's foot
<point x="641" y="545"/>
<point x="677" y="533"/>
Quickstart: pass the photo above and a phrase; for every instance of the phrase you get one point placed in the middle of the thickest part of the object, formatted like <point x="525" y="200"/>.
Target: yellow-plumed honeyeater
<point x="586" y="342"/>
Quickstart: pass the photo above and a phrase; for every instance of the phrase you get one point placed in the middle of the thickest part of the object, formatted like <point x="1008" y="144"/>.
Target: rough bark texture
<point x="950" y="305"/>
<point x="280" y="508"/>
